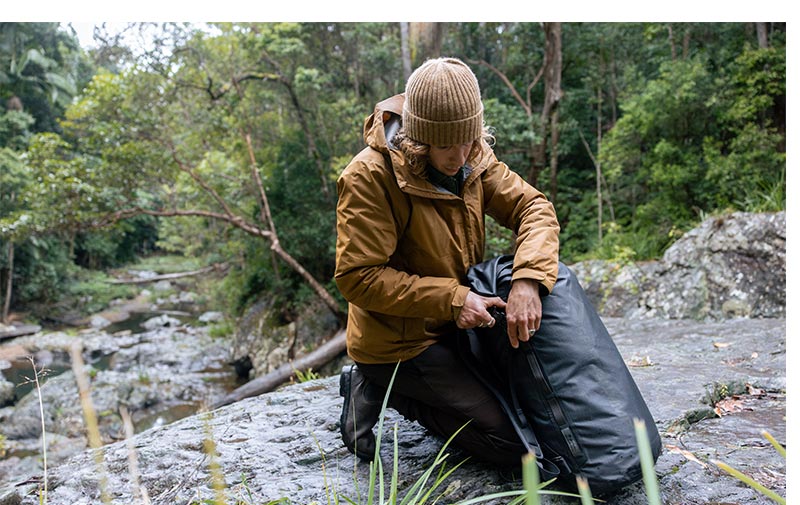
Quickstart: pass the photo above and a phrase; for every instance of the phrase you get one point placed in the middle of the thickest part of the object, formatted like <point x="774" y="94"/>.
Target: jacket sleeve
<point x="525" y="210"/>
<point x="370" y="218"/>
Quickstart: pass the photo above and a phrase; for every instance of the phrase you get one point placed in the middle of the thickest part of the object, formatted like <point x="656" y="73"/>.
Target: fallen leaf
<point x="728" y="405"/>
<point x="721" y="345"/>
<point x="636" y="361"/>
<point x="754" y="391"/>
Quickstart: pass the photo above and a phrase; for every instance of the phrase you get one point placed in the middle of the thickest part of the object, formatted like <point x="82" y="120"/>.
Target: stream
<point x="157" y="359"/>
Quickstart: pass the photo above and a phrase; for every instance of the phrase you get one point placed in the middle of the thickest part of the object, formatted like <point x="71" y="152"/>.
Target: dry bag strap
<point x="552" y="402"/>
<point x="547" y="469"/>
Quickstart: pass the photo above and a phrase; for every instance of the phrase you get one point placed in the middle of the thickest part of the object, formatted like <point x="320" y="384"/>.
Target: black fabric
<point x="451" y="183"/>
<point x="569" y="382"/>
<point x="436" y="390"/>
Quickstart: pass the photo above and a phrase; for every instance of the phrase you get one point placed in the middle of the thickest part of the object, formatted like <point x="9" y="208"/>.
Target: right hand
<point x="475" y="312"/>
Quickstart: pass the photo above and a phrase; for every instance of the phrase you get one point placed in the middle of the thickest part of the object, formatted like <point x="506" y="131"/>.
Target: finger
<point x="491" y="323"/>
<point x="514" y="341"/>
<point x="495" y="301"/>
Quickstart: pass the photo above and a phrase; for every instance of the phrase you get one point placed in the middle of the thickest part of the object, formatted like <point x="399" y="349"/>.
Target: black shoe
<point x="360" y="411"/>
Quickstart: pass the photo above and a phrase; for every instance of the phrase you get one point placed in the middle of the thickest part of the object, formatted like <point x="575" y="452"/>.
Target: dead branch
<point x="220" y="267"/>
<point x="314" y="360"/>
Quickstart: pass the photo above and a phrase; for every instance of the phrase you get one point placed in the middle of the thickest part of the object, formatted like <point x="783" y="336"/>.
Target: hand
<point x="475" y="313"/>
<point x="524" y="311"/>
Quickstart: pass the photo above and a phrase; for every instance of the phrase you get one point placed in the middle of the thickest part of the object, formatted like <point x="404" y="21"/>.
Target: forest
<point x="223" y="141"/>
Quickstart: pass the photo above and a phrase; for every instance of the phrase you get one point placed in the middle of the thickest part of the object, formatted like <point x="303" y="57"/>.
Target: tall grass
<point x="90" y="417"/>
<point x="38" y="386"/>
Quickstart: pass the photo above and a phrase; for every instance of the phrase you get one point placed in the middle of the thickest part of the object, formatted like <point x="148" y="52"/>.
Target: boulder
<point x="730" y="266"/>
<point x="262" y="342"/>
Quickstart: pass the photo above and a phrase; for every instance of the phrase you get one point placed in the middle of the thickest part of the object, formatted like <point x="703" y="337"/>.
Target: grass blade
<point x="750" y="482"/>
<point x="777" y="445"/>
<point x="646" y="460"/>
<point x="584" y="491"/>
<point x="530" y="479"/>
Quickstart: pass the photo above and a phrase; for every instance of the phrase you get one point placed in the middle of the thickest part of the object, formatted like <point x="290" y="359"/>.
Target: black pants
<point x="438" y="391"/>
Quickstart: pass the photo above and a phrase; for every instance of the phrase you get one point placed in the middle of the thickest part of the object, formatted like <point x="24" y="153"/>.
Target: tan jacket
<point x="404" y="246"/>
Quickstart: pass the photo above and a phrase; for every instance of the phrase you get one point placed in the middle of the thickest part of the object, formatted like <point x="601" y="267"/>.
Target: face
<point x="448" y="159"/>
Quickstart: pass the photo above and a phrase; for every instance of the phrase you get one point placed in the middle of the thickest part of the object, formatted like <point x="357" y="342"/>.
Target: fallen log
<point x="177" y="275"/>
<point x="264" y="384"/>
<point x="18" y="330"/>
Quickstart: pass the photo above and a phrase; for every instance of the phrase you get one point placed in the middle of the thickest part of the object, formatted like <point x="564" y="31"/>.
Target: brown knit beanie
<point x="443" y="104"/>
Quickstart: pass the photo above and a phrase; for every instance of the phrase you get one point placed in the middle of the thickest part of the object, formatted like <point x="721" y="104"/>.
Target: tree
<point x="545" y="125"/>
<point x="40" y="69"/>
<point x="205" y="131"/>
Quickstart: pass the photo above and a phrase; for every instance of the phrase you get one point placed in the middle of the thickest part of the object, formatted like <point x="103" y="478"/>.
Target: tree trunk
<point x="686" y="39"/>
<point x="552" y="96"/>
<point x="597" y="165"/>
<point x="426" y="40"/>
<point x="219" y="267"/>
<point x="671" y="38"/>
<point x="552" y="84"/>
<point x="315" y="359"/>
<point x="9" y="282"/>
<point x="761" y="32"/>
<point x="405" y="51"/>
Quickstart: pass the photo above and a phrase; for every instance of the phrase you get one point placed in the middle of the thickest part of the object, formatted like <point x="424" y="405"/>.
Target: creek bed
<point x="162" y="365"/>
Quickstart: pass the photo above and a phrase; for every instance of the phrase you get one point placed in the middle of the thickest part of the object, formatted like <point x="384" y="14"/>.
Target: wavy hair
<point x="418" y="153"/>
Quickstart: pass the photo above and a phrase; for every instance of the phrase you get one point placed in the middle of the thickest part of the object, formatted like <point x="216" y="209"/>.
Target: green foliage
<point x="222" y="330"/>
<point x="305" y="376"/>
<point x="691" y="122"/>
<point x="167" y="263"/>
<point x="40" y="269"/>
<point x="91" y="291"/>
<point x="41" y="68"/>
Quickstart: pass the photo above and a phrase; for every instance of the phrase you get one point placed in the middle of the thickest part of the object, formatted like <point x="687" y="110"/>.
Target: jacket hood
<point x="383" y="123"/>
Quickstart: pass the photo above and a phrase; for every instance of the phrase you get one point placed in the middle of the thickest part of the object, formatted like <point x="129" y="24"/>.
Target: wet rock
<point x="729" y="266"/>
<point x="286" y="444"/>
<point x="160" y="375"/>
<point x="162" y="286"/>
<point x="187" y="297"/>
<point x="162" y="321"/>
<point x="211" y="317"/>
<point x="264" y="343"/>
<point x="6" y="392"/>
<point x="99" y="322"/>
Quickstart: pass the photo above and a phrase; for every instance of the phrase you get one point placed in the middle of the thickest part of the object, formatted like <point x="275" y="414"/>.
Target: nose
<point x="459" y="153"/>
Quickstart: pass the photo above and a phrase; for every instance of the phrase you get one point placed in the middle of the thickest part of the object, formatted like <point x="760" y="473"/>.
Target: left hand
<point x="523" y="311"/>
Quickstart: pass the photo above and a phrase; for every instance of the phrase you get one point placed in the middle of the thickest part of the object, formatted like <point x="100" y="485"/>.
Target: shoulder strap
<point x="547" y="469"/>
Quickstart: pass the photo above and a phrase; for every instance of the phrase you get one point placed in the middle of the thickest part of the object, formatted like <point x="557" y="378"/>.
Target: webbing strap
<point x="552" y="402"/>
<point x="547" y="468"/>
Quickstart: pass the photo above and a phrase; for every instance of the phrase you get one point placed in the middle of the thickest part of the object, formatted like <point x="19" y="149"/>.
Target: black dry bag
<point x="567" y="390"/>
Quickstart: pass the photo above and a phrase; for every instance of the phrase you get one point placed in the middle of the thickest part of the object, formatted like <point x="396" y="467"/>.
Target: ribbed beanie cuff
<point x="443" y="104"/>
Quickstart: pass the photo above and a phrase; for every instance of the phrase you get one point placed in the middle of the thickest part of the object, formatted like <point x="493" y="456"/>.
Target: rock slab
<point x="711" y="386"/>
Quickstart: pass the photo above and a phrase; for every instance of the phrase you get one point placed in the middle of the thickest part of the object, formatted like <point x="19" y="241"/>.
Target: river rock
<point x="711" y="387"/>
<point x="6" y="391"/>
<point x="99" y="322"/>
<point x="159" y="375"/>
<point x="162" y="321"/>
<point x="211" y="317"/>
<point x="262" y="343"/>
<point x="730" y="266"/>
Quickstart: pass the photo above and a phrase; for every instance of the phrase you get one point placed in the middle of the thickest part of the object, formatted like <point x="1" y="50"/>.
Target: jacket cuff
<point x="528" y="273"/>
<point x="459" y="298"/>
